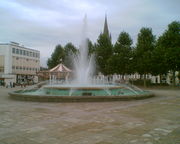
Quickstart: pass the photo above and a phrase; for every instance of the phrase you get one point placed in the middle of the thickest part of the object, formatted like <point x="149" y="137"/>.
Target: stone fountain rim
<point x="84" y="87"/>
<point x="55" y="98"/>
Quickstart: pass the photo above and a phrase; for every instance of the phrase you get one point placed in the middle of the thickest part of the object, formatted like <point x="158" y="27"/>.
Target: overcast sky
<point x="42" y="24"/>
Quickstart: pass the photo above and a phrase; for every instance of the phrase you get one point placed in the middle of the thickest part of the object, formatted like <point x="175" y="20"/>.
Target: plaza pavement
<point x="149" y="121"/>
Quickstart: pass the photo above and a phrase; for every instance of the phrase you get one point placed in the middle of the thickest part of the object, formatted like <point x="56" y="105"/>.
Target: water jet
<point x="84" y="87"/>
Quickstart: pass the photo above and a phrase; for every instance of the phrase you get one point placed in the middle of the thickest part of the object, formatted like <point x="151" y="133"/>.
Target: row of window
<point x="25" y="52"/>
<point x="25" y="68"/>
<point x="1" y="69"/>
<point x="18" y="58"/>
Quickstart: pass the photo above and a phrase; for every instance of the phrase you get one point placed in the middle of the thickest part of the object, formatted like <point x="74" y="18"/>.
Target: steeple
<point x="106" y="30"/>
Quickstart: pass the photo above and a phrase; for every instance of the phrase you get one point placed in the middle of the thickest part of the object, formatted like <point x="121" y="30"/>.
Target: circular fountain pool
<point x="79" y="93"/>
<point x="88" y="88"/>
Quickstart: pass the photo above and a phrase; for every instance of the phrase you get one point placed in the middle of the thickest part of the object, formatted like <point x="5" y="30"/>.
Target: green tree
<point x="103" y="51"/>
<point x="57" y="57"/>
<point x="132" y="64"/>
<point x="144" y="52"/>
<point x="169" y="47"/>
<point x="159" y="65"/>
<point x="70" y="52"/>
<point x="91" y="47"/>
<point x="122" y="54"/>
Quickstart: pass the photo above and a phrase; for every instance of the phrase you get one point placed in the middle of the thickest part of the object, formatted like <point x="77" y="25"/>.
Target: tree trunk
<point x="144" y="80"/>
<point x="140" y="76"/>
<point x="173" y="78"/>
<point x="160" y="77"/>
<point x="122" y="76"/>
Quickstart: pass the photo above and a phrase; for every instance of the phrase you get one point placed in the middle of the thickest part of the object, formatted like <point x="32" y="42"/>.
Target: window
<point x="2" y="63"/>
<point x="17" y="51"/>
<point x="21" y="52"/>
<point x="27" y="53"/>
<point x="13" y="67"/>
<point x="24" y="52"/>
<point x="33" y="54"/>
<point x="17" y="67"/>
<point x="13" y="50"/>
<point x="1" y="69"/>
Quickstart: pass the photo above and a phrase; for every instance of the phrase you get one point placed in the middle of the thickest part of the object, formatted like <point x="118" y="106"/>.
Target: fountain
<point x="84" y="87"/>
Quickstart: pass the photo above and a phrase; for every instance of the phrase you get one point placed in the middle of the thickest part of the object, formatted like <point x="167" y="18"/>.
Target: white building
<point x="18" y="63"/>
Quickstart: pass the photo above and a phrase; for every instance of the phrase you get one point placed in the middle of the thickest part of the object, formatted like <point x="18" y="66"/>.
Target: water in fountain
<point x="84" y="84"/>
<point x="83" y="63"/>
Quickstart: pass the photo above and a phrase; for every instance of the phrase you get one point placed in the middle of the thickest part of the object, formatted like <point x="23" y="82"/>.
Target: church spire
<point x="106" y="30"/>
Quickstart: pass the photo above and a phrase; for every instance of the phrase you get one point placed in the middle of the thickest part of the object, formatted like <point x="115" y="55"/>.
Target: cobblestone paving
<point x="150" y="121"/>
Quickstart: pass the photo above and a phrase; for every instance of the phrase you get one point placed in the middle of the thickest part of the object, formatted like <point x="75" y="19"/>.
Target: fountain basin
<point x="65" y="93"/>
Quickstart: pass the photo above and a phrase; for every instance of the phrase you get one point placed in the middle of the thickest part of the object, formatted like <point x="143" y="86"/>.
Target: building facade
<point x="18" y="64"/>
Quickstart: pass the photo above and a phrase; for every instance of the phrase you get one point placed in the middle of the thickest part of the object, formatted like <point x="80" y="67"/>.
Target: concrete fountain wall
<point x="50" y="98"/>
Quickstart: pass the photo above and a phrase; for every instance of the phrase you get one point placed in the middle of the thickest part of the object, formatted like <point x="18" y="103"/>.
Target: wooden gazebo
<point x="60" y="72"/>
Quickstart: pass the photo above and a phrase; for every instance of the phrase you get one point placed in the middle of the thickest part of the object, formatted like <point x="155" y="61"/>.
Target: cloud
<point x="43" y="24"/>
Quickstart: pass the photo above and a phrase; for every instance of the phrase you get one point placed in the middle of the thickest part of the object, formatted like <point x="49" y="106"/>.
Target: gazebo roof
<point x="60" y="68"/>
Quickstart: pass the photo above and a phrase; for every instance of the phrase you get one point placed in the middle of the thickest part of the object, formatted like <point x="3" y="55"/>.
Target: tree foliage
<point x="70" y="52"/>
<point x="144" y="51"/>
<point x="57" y="57"/>
<point x="122" y="55"/>
<point x="168" y="50"/>
<point x="62" y="55"/>
<point x="147" y="57"/>
<point x="103" y="51"/>
<point x="91" y="47"/>
<point x="170" y="42"/>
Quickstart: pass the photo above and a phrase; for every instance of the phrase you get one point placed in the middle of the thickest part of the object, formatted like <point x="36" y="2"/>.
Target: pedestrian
<point x="10" y="84"/>
<point x="13" y="84"/>
<point x="21" y="83"/>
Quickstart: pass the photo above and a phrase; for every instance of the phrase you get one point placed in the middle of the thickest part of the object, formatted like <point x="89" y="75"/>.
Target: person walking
<point x="10" y="84"/>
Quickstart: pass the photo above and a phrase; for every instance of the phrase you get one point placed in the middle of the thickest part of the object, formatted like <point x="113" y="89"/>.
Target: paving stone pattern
<point x="149" y="121"/>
